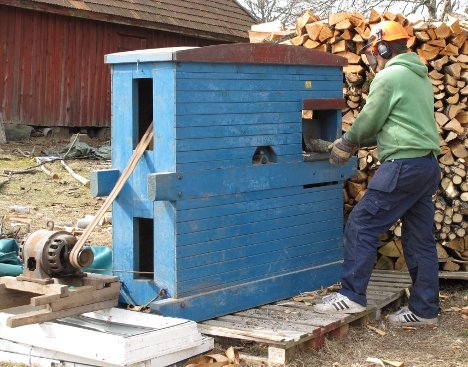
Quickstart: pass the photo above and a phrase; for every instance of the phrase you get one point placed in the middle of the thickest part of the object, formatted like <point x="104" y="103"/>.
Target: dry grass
<point x="62" y="201"/>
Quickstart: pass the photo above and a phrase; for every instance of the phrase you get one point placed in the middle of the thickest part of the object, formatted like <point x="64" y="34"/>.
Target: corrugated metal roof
<point x="219" y="19"/>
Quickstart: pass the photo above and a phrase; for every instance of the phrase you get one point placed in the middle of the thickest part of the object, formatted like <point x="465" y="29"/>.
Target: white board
<point x="112" y="337"/>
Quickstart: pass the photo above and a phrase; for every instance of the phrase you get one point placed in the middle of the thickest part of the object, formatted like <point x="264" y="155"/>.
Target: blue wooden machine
<point x="222" y="212"/>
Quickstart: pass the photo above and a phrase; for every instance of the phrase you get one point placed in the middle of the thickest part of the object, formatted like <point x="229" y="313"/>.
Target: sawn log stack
<point x="443" y="47"/>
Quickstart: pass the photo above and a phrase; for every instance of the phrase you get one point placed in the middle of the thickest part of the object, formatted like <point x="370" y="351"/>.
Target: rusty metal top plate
<point x="243" y="53"/>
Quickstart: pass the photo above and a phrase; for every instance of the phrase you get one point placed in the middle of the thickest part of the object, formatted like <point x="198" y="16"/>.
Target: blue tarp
<point x="11" y="265"/>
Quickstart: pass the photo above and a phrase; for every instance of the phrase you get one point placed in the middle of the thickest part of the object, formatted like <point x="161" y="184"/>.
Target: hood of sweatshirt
<point x="411" y="61"/>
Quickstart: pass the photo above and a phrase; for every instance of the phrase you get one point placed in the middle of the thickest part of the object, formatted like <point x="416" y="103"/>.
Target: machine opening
<point x="264" y="155"/>
<point x="144" y="249"/>
<point x="318" y="131"/>
<point x="145" y="107"/>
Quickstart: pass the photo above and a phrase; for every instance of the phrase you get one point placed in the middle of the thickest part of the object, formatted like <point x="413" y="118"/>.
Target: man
<point x="399" y="118"/>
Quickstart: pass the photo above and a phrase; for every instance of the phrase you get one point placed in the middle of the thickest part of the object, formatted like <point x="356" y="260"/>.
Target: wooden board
<point x="462" y="275"/>
<point x="112" y="337"/>
<point x="29" y="355"/>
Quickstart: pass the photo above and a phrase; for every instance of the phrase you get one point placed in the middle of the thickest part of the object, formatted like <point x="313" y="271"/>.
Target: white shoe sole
<point x="333" y="311"/>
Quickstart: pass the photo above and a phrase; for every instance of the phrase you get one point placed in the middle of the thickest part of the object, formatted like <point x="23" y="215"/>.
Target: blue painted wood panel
<point x="261" y="270"/>
<point x="268" y="128"/>
<point x="207" y="305"/>
<point x="203" y="156"/>
<point x="251" y="198"/>
<point x="222" y="225"/>
<point x="240" y="214"/>
<point x="239" y="118"/>
<point x="219" y="256"/>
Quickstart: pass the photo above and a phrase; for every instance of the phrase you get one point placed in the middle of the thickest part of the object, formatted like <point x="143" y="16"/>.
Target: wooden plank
<point x="102" y="181"/>
<point x="85" y="297"/>
<point x="42" y="315"/>
<point x="227" y="332"/>
<point x="173" y="186"/>
<point x="226" y="86"/>
<point x="253" y="265"/>
<point x="256" y="73"/>
<point x="393" y="284"/>
<point x="296" y="315"/>
<point x="260" y="96"/>
<point x="251" y="201"/>
<point x="390" y="278"/>
<point x="236" y="131"/>
<point x="385" y="288"/>
<point x="263" y="215"/>
<point x="208" y="108"/>
<point x="232" y="163"/>
<point x="324" y="104"/>
<point x="31" y="287"/>
<point x="193" y="70"/>
<point x="229" y="142"/>
<point x="272" y="324"/>
<point x="389" y="272"/>
<point x="462" y="275"/>
<point x="304" y="215"/>
<point x="234" y="276"/>
<point x="394" y="280"/>
<point x="258" y="332"/>
<point x="240" y="118"/>
<point x="381" y="299"/>
<point x="267" y="238"/>
<point x="233" y="153"/>
<point x="257" y="248"/>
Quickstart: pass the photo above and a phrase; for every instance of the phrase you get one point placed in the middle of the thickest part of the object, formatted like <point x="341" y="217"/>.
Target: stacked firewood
<point x="443" y="47"/>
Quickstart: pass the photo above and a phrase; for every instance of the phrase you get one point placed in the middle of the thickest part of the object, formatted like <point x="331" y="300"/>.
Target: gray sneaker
<point x="405" y="317"/>
<point x="336" y="303"/>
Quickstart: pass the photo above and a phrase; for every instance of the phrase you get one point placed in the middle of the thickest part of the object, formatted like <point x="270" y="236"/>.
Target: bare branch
<point x="287" y="11"/>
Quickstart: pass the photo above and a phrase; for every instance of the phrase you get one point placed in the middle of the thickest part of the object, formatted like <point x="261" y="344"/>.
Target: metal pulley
<point x="46" y="254"/>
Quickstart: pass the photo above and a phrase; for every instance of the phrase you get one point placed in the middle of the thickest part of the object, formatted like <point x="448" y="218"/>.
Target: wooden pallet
<point x="287" y="326"/>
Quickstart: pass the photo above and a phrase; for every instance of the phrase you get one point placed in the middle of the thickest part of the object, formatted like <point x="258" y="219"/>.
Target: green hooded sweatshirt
<point x="399" y="112"/>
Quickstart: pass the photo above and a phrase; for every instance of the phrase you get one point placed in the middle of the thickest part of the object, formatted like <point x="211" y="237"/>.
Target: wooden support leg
<point x="340" y="332"/>
<point x="317" y="343"/>
<point x="281" y="356"/>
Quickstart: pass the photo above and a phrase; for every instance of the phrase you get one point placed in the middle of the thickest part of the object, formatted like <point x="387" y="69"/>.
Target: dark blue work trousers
<point x="399" y="189"/>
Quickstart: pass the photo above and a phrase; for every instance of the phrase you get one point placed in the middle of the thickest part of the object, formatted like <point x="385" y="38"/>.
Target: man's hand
<point x="341" y="151"/>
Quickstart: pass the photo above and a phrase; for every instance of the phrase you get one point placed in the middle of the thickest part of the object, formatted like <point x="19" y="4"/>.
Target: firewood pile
<point x="443" y="47"/>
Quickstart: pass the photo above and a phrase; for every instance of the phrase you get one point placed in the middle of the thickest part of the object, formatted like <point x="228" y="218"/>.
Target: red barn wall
<point x="53" y="70"/>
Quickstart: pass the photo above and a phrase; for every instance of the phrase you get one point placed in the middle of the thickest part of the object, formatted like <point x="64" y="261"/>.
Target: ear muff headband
<point x="383" y="48"/>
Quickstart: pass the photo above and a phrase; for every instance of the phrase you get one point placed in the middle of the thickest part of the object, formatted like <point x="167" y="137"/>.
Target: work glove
<point x="341" y="150"/>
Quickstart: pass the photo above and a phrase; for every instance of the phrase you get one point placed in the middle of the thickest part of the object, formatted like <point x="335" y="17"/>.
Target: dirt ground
<point x="64" y="200"/>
